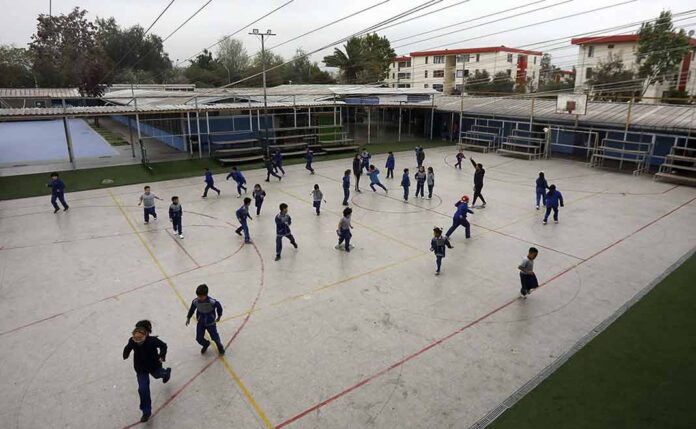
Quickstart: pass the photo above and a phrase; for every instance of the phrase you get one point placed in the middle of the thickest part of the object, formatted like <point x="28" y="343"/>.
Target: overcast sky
<point x="222" y="17"/>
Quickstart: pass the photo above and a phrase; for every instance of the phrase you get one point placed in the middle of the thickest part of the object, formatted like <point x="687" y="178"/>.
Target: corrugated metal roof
<point x="39" y="93"/>
<point x="598" y="113"/>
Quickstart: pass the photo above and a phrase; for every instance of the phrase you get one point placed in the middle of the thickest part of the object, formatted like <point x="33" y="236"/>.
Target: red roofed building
<point x="596" y="49"/>
<point x="447" y="70"/>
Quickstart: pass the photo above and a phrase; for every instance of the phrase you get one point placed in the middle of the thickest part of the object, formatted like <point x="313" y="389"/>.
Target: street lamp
<point x="268" y="33"/>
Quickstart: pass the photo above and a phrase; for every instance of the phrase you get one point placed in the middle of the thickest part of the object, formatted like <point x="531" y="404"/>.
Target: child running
<point x="149" y="352"/>
<point x="541" y="187"/>
<point x="365" y="156"/>
<point x="206" y="309"/>
<point x="391" y="162"/>
<point x="309" y="157"/>
<point x="209" y="183"/>
<point x="278" y="162"/>
<point x="527" y="276"/>
<point x="270" y="170"/>
<point x="175" y="214"/>
<point x="374" y="179"/>
<point x="459" y="218"/>
<point x="420" y="177"/>
<point x="242" y="214"/>
<point x="431" y="182"/>
<point x="317" y="198"/>
<point x="343" y="230"/>
<point x="357" y="171"/>
<point x="553" y="198"/>
<point x="258" y="194"/>
<point x="57" y="193"/>
<point x="460" y="157"/>
<point x="238" y="177"/>
<point x="283" y="221"/>
<point x="437" y="245"/>
<point x="405" y="183"/>
<point x="346" y="187"/>
<point x="147" y="199"/>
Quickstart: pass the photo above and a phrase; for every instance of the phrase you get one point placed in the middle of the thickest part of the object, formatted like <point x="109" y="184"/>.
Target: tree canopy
<point x="364" y="59"/>
<point x="611" y="81"/>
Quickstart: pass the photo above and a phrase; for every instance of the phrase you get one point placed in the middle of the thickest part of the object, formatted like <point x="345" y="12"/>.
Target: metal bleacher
<point x="480" y="137"/>
<point x="621" y="151"/>
<point x="680" y="164"/>
<point x="523" y="143"/>
<point x="234" y="146"/>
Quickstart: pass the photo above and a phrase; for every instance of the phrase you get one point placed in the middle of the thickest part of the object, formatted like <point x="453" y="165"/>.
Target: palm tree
<point x="350" y="62"/>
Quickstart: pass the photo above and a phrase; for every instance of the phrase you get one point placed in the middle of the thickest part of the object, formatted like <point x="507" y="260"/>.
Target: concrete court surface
<point x="44" y="141"/>
<point x="322" y="338"/>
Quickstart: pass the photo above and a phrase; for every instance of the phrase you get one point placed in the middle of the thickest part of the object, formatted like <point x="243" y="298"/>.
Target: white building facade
<point x="447" y="70"/>
<point x="592" y="51"/>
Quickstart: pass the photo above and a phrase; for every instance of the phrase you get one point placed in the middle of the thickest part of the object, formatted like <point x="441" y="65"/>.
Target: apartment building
<point x="447" y="70"/>
<point x="599" y="49"/>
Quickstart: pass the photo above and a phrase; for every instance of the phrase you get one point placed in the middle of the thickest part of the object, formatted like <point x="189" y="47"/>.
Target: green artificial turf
<point x="31" y="185"/>
<point x="640" y="373"/>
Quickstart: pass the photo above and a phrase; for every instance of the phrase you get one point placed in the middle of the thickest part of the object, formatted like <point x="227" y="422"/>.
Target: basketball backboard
<point x="571" y="104"/>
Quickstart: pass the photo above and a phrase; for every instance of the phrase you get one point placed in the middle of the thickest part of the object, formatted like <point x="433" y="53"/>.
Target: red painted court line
<point x="181" y="246"/>
<point x="462" y="329"/>
<point x="262" y="285"/>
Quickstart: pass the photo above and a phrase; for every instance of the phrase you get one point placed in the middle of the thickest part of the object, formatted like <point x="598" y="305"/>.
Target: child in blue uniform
<point x="431" y="182"/>
<point x="258" y="194"/>
<point x="317" y="198"/>
<point x="553" y="198"/>
<point x="365" y="157"/>
<point x="343" y="230"/>
<point x="57" y="193"/>
<point x="309" y="157"/>
<point x="437" y="245"/>
<point x="209" y="183"/>
<point x="541" y="187"/>
<point x="459" y="218"/>
<point x="175" y="214"/>
<point x="270" y="169"/>
<point x="346" y="187"/>
<point x="391" y="162"/>
<point x="374" y="179"/>
<point x="283" y="221"/>
<point x="242" y="214"/>
<point x="405" y="183"/>
<point x="208" y="311"/>
<point x="527" y="277"/>
<point x="460" y="157"/>
<point x="238" y="177"/>
<point x="278" y="162"/>
<point x="149" y="352"/>
<point x="420" y="177"/>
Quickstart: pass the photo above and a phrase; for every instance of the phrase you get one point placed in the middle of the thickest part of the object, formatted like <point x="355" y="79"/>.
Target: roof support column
<point x="68" y="140"/>
<point x="188" y="136"/>
<point x="432" y="119"/>
<point x="369" y="120"/>
<point x="399" y="138"/>
<point x="130" y="132"/>
<point x="207" y="130"/>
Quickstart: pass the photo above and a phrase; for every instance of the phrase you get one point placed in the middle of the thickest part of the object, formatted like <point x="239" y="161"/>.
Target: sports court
<point x="322" y="338"/>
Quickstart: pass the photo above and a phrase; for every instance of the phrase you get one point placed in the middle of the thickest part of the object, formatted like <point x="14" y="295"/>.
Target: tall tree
<point x="660" y="50"/>
<point x="233" y="58"/>
<point x="16" y="67"/>
<point x="479" y="82"/>
<point x="66" y="52"/>
<point x="365" y="59"/>
<point x="302" y="70"/>
<point x="611" y="81"/>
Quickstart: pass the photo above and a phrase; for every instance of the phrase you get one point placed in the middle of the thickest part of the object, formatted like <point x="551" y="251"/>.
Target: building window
<point x="464" y="58"/>
<point x="426" y="73"/>
<point x="426" y="60"/>
<point x="404" y="85"/>
<point x="404" y="75"/>
<point x="590" y="51"/>
<point x="509" y="72"/>
<point x="425" y="85"/>
<point x="509" y="58"/>
<point x="588" y="73"/>
<point x="610" y="46"/>
<point x="439" y="59"/>
<point x="534" y="60"/>
<point x="438" y="73"/>
<point x="460" y="73"/>
<point x="393" y="75"/>
<point x="478" y="57"/>
<point x="438" y="87"/>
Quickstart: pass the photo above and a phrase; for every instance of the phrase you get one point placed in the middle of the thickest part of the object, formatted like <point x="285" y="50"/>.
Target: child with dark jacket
<point x="541" y="187"/>
<point x="57" y="192"/>
<point x="175" y="214"/>
<point x="420" y="177"/>
<point x="270" y="170"/>
<point x="309" y="157"/>
<point x="238" y="177"/>
<point x="209" y="183"/>
<point x="437" y="245"/>
<point x="208" y="313"/>
<point x="553" y="198"/>
<point x="346" y="187"/>
<point x="258" y="194"/>
<point x="357" y="171"/>
<point x="242" y="214"/>
<point x="405" y="183"/>
<point x="149" y="352"/>
<point x="278" y="162"/>
<point x="460" y="156"/>
<point x="478" y="182"/>
<point x="430" y="181"/>
<point x="283" y="222"/>
<point x="390" y="164"/>
<point x="459" y="218"/>
<point x="527" y="277"/>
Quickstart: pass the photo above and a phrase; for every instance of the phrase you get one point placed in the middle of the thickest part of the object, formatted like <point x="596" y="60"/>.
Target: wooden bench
<point x="528" y="147"/>
<point x="475" y="143"/>
<point x="234" y="141"/>
<point x="618" y="150"/>
<point x="295" y="136"/>
<point x="239" y="150"/>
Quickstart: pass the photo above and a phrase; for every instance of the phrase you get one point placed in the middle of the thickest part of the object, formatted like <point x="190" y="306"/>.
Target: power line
<point x="426" y="14"/>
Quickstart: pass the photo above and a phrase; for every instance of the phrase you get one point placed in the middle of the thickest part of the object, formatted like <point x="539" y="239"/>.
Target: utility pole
<point x="268" y="33"/>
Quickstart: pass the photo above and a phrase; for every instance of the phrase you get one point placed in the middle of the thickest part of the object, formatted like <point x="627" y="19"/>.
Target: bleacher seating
<point x="680" y="164"/>
<point x="622" y="151"/>
<point x="518" y="145"/>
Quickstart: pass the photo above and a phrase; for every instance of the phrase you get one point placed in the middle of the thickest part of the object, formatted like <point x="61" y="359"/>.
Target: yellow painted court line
<point x="323" y="288"/>
<point x="388" y="237"/>
<point x="166" y="276"/>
